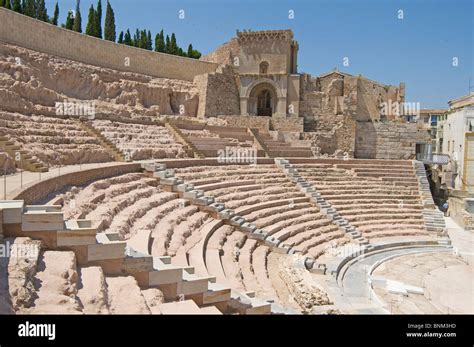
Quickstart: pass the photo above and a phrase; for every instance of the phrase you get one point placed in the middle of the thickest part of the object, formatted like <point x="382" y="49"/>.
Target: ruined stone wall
<point x="337" y="93"/>
<point x="458" y="212"/>
<point x="30" y="33"/>
<point x="224" y="54"/>
<point x="275" y="52"/>
<point x="332" y="103"/>
<point x="286" y="123"/>
<point x="388" y="140"/>
<point x="370" y="97"/>
<point x="218" y="93"/>
<point x="258" y="122"/>
<point x="32" y="82"/>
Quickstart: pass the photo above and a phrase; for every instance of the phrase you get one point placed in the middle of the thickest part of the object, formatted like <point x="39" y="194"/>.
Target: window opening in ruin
<point x="263" y="68"/>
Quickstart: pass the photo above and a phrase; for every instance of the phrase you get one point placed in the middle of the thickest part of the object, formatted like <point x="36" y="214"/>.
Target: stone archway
<point x="262" y="100"/>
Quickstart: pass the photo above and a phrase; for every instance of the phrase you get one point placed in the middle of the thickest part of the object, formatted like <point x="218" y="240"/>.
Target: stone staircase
<point x="258" y="141"/>
<point x="27" y="161"/>
<point x="106" y="250"/>
<point x="434" y="218"/>
<point x="104" y="142"/>
<point x="183" y="139"/>
<point x="276" y="149"/>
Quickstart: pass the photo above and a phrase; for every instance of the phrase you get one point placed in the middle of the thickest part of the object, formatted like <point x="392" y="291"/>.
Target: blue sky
<point x="418" y="49"/>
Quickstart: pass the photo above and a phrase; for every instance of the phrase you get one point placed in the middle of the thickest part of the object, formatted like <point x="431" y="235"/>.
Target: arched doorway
<point x="262" y="100"/>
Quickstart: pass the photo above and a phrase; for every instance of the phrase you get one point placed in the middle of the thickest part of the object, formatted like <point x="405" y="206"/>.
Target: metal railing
<point x="433" y="158"/>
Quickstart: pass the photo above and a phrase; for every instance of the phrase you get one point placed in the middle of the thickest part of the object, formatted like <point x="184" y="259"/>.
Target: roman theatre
<point x="232" y="184"/>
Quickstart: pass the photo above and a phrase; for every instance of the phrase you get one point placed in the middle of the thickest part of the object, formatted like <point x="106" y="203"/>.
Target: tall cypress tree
<point x="54" y="20"/>
<point x="91" y="27"/>
<point x="69" y="20"/>
<point x="120" y="38"/>
<point x="42" y="13"/>
<point x="23" y="6"/>
<point x="190" y="51"/>
<point x="142" y="42"/>
<point x="2" y="3"/>
<point x="149" y="41"/>
<point x="136" y="38"/>
<point x="127" y="39"/>
<point x="98" y="21"/>
<point x="109" y="26"/>
<point x="173" y="45"/>
<point x="8" y="4"/>
<point x="77" y="18"/>
<point x="30" y="8"/>
<point x="160" y="42"/>
<point x="167" y="45"/>
<point x="17" y="6"/>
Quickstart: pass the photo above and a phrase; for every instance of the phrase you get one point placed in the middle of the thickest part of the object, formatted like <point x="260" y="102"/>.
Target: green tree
<point x="77" y="18"/>
<point x="2" y="3"/>
<point x="69" y="20"/>
<point x="17" y="6"/>
<point x="173" y="48"/>
<point x="30" y="8"/>
<point x="167" y="44"/>
<point x="8" y="4"/>
<point x="98" y="21"/>
<point x="42" y="12"/>
<point x="190" y="51"/>
<point x="127" y="39"/>
<point x="149" y="41"/>
<point x="91" y="27"/>
<point x="160" y="42"/>
<point x="109" y="28"/>
<point x="120" y="38"/>
<point x="136" y="38"/>
<point x="54" y="20"/>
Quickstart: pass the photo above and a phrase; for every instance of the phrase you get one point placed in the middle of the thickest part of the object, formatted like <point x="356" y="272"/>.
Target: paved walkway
<point x="12" y="183"/>
<point x="462" y="240"/>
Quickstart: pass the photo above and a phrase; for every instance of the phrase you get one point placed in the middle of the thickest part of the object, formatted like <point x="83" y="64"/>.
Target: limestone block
<point x="77" y="233"/>
<point x="184" y="187"/>
<point x="272" y="242"/>
<point x="258" y="234"/>
<point x="226" y="214"/>
<point x="164" y="272"/>
<point x="12" y="211"/>
<point x="163" y="174"/>
<point x="193" y="284"/>
<point x="248" y="227"/>
<point x="105" y="251"/>
<point x="237" y="221"/>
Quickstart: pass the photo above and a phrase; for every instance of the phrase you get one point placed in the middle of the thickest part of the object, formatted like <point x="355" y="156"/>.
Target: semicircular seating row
<point x="157" y="222"/>
<point x="160" y="223"/>
<point x="379" y="199"/>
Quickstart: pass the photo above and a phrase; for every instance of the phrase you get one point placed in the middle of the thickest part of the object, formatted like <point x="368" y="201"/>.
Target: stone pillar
<point x="280" y="110"/>
<point x="244" y="105"/>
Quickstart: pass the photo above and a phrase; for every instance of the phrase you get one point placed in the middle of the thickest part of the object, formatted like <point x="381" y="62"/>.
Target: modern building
<point x="429" y="118"/>
<point x="455" y="138"/>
